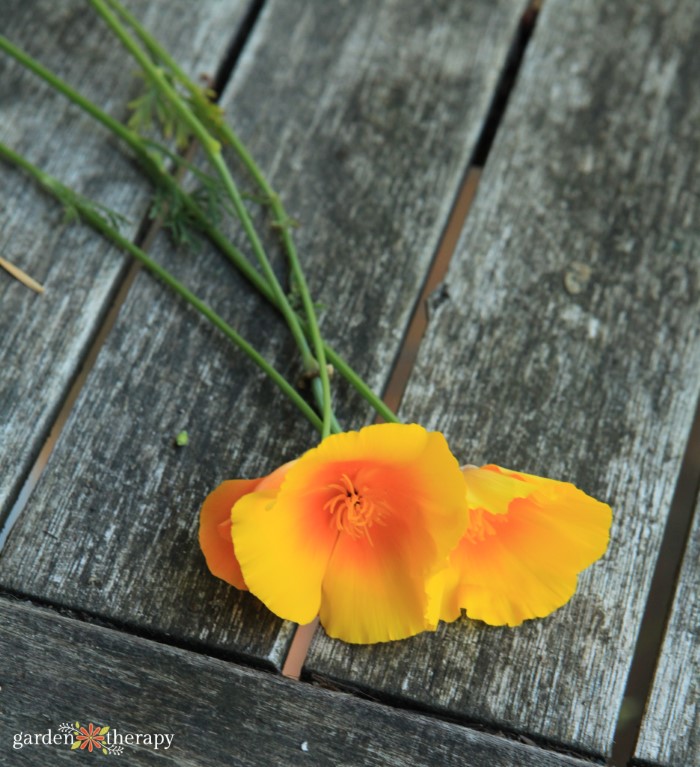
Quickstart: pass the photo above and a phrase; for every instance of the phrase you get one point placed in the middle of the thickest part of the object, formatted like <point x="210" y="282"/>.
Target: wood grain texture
<point x="367" y="129"/>
<point x="670" y="734"/>
<point x="565" y="342"/>
<point x="43" y="338"/>
<point x="218" y="713"/>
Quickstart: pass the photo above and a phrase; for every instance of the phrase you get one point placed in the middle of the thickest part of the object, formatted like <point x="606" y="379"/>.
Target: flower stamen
<point x="480" y="526"/>
<point x="353" y="511"/>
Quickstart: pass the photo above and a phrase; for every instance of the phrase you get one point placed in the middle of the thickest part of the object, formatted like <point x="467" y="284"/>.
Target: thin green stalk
<point x="212" y="149"/>
<point x="317" y="391"/>
<point x="64" y="194"/>
<point x="230" y="137"/>
<point x="155" y="48"/>
<point x="159" y="175"/>
<point x="151" y="160"/>
<point x="314" y="332"/>
<point x="361" y="387"/>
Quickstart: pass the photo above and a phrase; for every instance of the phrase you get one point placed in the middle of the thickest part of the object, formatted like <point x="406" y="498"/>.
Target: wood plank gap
<point x="91" y="619"/>
<point x="506" y="83"/>
<point x="37" y="469"/>
<point x="445" y="715"/>
<point x="298" y="649"/>
<point x="404" y="363"/>
<point x="235" y="49"/>
<point x="408" y="351"/>
<point x="659" y="603"/>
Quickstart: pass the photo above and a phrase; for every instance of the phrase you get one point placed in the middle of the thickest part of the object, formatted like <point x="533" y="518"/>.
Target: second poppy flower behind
<point x="527" y="540"/>
<point x="353" y="531"/>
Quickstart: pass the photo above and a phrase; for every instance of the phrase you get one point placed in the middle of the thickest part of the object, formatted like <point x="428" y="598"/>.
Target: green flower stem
<point x="158" y="175"/>
<point x="280" y="214"/>
<point x="151" y="160"/>
<point x="156" y="49"/>
<point x="212" y="149"/>
<point x="317" y="390"/>
<point x="64" y="194"/>
<point x="361" y="387"/>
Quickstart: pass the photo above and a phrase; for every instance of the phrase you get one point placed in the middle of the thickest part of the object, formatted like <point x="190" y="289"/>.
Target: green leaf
<point x="182" y="439"/>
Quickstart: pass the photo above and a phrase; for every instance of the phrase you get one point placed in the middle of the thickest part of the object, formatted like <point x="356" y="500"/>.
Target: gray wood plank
<point x="365" y="116"/>
<point x="218" y="713"/>
<point x="594" y="172"/>
<point x="670" y="733"/>
<point x="78" y="270"/>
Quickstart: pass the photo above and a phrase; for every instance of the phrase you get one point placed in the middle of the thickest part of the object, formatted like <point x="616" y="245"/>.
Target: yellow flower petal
<point x="370" y="594"/>
<point x="283" y="551"/>
<point x="520" y="559"/>
<point x="215" y="523"/>
<point x="490" y="489"/>
<point x="215" y="529"/>
<point x="443" y="595"/>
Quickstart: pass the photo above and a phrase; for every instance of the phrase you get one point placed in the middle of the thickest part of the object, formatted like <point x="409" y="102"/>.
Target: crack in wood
<point x="659" y="604"/>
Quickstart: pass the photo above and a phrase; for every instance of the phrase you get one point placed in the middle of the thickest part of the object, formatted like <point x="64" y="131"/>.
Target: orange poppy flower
<point x="526" y="541"/>
<point x="354" y="531"/>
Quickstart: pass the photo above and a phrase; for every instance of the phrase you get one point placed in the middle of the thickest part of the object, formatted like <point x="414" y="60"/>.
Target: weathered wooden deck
<point x="564" y="341"/>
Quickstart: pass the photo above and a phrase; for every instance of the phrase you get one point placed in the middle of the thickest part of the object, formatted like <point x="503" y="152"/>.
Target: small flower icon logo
<point x="90" y="737"/>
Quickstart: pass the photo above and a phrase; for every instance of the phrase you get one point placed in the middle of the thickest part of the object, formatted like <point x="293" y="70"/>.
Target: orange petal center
<point x="352" y="508"/>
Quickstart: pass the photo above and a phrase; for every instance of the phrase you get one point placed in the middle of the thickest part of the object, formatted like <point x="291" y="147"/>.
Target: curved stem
<point x="280" y="214"/>
<point x="63" y="193"/>
<point x="361" y="387"/>
<point x="124" y="133"/>
<point x="212" y="149"/>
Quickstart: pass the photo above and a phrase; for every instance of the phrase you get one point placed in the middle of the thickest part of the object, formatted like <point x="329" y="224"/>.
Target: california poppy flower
<point x="352" y="531"/>
<point x="526" y="541"/>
